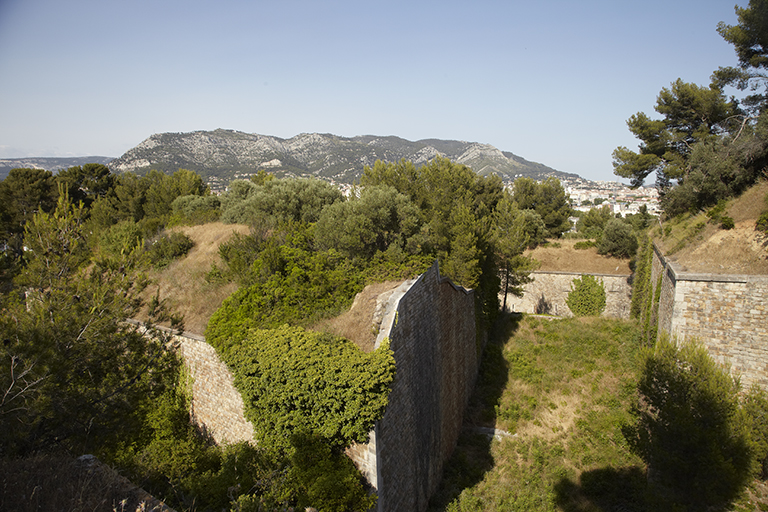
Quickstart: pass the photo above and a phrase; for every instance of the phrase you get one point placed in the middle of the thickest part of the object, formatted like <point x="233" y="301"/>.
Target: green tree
<point x="87" y="183"/>
<point x="618" y="240"/>
<point x="689" y="428"/>
<point x="94" y="372"/>
<point x="362" y="226"/>
<point x="548" y="199"/>
<point x="280" y="200"/>
<point x="750" y="40"/>
<point x="592" y="223"/>
<point x="511" y="237"/>
<point x="164" y="189"/>
<point x="23" y="193"/>
<point x="691" y="114"/>
<point x="587" y="296"/>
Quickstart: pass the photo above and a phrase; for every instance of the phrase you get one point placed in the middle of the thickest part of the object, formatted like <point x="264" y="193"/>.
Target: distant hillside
<point x="221" y="155"/>
<point x="49" y="164"/>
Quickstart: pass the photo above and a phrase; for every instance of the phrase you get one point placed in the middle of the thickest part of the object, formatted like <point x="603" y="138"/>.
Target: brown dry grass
<point x="741" y="250"/>
<point x="182" y="284"/>
<point x="357" y="323"/>
<point x="567" y="259"/>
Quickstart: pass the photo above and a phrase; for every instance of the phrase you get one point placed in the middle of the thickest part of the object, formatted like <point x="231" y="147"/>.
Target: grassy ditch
<point x="562" y="390"/>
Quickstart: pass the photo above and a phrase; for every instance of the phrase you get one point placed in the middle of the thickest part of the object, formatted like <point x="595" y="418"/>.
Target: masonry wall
<point x="216" y="405"/>
<point x="727" y="313"/>
<point x="431" y="328"/>
<point x="430" y="324"/>
<point x="549" y="290"/>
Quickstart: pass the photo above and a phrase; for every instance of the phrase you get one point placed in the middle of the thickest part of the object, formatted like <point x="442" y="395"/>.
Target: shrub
<point x="584" y="244"/>
<point x="587" y="296"/>
<point x="689" y="428"/>
<point x="762" y="222"/>
<point x="121" y="238"/>
<point x="169" y="247"/>
<point x="727" y="223"/>
<point x="618" y="239"/>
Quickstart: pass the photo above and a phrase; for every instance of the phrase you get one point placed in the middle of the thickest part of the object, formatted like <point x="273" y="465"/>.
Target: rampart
<point x="727" y="313"/>
<point x="216" y="405"/>
<point x="430" y="324"/>
<point x="548" y="291"/>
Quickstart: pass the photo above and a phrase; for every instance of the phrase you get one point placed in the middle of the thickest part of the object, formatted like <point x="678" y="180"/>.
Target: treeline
<point x="707" y="146"/>
<point x="79" y="379"/>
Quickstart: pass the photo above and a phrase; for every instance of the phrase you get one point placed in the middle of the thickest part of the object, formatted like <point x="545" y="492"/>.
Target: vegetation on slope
<point x="579" y="404"/>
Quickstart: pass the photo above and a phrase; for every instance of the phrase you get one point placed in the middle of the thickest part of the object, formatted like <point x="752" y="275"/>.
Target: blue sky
<point x="551" y="81"/>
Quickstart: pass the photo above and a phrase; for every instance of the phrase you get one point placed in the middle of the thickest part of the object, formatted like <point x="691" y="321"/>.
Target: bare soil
<point x="560" y="256"/>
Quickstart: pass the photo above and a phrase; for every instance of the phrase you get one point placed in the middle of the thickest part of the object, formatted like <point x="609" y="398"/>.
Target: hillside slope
<point x="699" y="245"/>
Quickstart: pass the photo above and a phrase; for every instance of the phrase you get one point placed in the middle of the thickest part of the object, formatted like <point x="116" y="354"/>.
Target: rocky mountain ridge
<point x="49" y="163"/>
<point x="222" y="155"/>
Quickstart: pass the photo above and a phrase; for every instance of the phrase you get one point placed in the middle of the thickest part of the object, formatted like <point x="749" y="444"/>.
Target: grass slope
<point x="561" y="389"/>
<point x="698" y="243"/>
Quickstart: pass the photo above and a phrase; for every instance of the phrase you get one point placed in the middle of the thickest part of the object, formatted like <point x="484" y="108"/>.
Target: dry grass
<point x="567" y="259"/>
<point x="357" y="324"/>
<point x="182" y="284"/>
<point x="741" y="250"/>
<point x="61" y="483"/>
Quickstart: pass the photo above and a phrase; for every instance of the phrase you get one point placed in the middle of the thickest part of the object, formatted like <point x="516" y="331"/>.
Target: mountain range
<point x="220" y="156"/>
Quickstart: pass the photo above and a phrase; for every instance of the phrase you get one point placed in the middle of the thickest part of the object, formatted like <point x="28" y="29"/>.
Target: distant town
<point x="619" y="197"/>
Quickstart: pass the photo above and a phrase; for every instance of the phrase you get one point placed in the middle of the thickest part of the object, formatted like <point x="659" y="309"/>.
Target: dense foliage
<point x="293" y="380"/>
<point x="690" y="429"/>
<point x="707" y="147"/>
<point x="80" y="377"/>
<point x="587" y="296"/>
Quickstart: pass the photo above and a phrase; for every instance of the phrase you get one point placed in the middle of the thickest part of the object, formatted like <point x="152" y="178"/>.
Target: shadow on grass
<point x="472" y="458"/>
<point x="604" y="490"/>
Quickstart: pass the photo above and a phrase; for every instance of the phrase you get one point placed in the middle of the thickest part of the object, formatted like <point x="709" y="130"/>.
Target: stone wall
<point x="548" y="291"/>
<point x="430" y="324"/>
<point x="727" y="313"/>
<point x="217" y="406"/>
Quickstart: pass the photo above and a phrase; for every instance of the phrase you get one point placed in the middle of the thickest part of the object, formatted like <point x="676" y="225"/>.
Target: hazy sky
<point x="551" y="81"/>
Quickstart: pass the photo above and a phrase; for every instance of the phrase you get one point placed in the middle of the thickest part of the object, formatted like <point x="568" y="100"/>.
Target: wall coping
<point x="168" y="330"/>
<point x="677" y="274"/>
<point x="562" y="273"/>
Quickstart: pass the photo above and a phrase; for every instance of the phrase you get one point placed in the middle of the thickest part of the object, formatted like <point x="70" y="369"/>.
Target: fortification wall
<point x="430" y="324"/>
<point x="727" y="313"/>
<point x="548" y="291"/>
<point x="217" y="406"/>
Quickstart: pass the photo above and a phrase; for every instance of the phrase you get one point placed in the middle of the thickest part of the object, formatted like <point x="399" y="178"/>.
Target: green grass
<point x="564" y="387"/>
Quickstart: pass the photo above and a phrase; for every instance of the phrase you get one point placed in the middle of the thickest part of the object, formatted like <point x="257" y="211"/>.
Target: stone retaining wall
<point x="430" y="324"/>
<point x="727" y="313"/>
<point x="548" y="291"/>
<point x="216" y="405"/>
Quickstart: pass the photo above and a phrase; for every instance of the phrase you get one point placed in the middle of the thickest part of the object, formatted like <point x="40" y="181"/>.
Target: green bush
<point x="762" y="222"/>
<point x="587" y="296"/>
<point x="689" y="428"/>
<point x="121" y="238"/>
<point x="727" y="223"/>
<point x="618" y="240"/>
<point x="584" y="244"/>
<point x="167" y="248"/>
